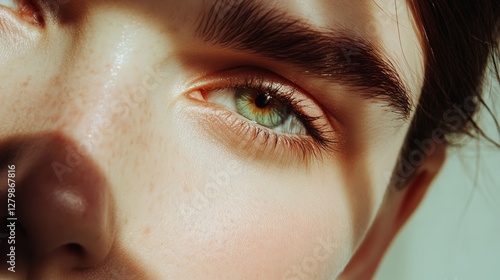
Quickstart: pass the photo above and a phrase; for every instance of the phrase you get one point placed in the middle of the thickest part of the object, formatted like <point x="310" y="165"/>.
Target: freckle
<point x="185" y="188"/>
<point x="150" y="189"/>
<point x="147" y="230"/>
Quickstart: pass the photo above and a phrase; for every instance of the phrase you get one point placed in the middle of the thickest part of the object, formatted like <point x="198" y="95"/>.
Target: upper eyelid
<point x="283" y="93"/>
<point x="308" y="115"/>
<point x="256" y="75"/>
<point x="289" y="94"/>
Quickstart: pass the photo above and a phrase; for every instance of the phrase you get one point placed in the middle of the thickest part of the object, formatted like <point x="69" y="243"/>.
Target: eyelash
<point x="319" y="138"/>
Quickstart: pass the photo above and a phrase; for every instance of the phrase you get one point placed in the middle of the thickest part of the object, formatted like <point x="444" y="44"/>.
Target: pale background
<point x="455" y="234"/>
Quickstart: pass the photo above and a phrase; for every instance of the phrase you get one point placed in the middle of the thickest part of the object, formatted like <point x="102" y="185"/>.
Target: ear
<point x="397" y="207"/>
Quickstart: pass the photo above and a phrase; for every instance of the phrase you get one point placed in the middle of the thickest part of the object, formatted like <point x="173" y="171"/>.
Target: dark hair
<point x="459" y="39"/>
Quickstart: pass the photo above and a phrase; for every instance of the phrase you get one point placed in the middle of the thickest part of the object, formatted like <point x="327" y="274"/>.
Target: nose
<point x="63" y="202"/>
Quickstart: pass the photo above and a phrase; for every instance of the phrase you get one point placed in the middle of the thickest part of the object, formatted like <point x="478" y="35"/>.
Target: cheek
<point x="215" y="214"/>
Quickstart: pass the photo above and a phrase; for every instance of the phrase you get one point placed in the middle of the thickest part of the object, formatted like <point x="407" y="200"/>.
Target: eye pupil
<point x="262" y="100"/>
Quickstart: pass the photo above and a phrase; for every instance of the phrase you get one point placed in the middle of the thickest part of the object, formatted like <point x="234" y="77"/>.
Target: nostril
<point x="67" y="216"/>
<point x="75" y="249"/>
<point x="80" y="252"/>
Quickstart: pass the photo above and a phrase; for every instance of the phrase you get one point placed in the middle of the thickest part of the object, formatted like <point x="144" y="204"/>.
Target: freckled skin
<point x="103" y="94"/>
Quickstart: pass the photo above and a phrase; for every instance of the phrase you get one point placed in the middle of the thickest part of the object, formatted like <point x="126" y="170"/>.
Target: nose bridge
<point x="96" y="77"/>
<point x="107" y="63"/>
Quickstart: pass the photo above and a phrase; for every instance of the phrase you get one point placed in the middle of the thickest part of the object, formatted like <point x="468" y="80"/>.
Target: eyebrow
<point x="334" y="56"/>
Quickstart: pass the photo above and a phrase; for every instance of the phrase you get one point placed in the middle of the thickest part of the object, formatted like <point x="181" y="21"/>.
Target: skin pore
<point x="131" y="162"/>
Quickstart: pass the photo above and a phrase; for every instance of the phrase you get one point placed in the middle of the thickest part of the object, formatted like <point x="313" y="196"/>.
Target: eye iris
<point x="261" y="107"/>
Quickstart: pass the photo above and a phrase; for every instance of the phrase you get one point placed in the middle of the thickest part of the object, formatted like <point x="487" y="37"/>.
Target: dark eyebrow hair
<point x="331" y="55"/>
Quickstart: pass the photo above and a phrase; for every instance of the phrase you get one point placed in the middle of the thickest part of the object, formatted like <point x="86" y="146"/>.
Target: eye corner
<point x="196" y="94"/>
<point x="31" y="13"/>
<point x="25" y="11"/>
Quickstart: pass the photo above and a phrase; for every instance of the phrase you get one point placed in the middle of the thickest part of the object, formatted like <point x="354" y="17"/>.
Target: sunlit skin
<point x="126" y="170"/>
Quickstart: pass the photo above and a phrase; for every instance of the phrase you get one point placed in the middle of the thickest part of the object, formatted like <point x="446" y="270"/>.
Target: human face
<point x="157" y="139"/>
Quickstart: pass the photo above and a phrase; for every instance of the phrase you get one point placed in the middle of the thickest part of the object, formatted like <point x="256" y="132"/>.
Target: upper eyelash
<point x="276" y="90"/>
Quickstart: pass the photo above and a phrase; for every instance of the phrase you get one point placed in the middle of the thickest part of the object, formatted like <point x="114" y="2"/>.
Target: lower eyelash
<point x="304" y="149"/>
<point x="260" y="142"/>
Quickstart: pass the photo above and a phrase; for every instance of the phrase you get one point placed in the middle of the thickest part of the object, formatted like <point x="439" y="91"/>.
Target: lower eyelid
<point x="252" y="141"/>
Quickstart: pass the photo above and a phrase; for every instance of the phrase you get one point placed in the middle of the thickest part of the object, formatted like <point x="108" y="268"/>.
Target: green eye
<point x="261" y="107"/>
<point x="266" y="105"/>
